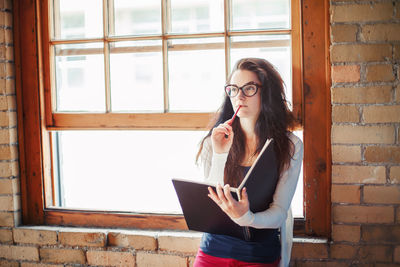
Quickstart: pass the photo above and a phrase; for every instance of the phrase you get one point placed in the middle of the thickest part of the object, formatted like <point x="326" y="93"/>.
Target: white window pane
<point x="137" y="17"/>
<point x="260" y="14"/>
<point x="136" y="76"/>
<point x="76" y="19"/>
<point x="197" y="16"/>
<point x="80" y="77"/>
<point x="124" y="170"/>
<point x="276" y="49"/>
<point x="196" y="77"/>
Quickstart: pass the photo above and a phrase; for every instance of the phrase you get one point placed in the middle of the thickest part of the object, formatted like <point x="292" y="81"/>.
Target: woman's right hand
<point x="222" y="137"/>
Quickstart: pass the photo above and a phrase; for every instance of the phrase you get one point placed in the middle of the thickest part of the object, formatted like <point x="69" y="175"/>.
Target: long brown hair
<point x="274" y="120"/>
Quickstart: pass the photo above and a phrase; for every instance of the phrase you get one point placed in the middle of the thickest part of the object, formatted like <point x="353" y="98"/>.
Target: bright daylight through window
<point x="149" y="57"/>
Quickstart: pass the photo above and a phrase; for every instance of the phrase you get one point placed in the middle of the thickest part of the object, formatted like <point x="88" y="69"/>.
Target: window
<point x="113" y="89"/>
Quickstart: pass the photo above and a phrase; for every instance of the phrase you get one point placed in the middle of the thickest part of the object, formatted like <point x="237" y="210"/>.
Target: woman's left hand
<point x="227" y="203"/>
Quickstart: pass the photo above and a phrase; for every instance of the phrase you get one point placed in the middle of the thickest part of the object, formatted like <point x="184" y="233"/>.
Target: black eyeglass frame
<point x="241" y="89"/>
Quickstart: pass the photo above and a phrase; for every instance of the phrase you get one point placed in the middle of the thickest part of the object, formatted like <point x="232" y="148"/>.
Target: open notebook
<point x="202" y="214"/>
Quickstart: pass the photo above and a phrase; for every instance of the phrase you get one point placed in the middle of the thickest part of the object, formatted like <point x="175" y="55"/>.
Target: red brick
<point x="341" y="251"/>
<point x="397" y="254"/>
<point x="19" y="253"/>
<point x="137" y="240"/>
<point x="363" y="214"/>
<point x="9" y="186"/>
<point x="34" y="236"/>
<point x="386" y="234"/>
<point x="7" y="219"/>
<point x="8" y="152"/>
<point x="349" y="233"/>
<point x="382" y="194"/>
<point x="64" y="256"/>
<point x="345" y="193"/>
<point x="9" y="203"/>
<point x="110" y="258"/>
<point x="358" y="174"/>
<point x="347" y="73"/>
<point x="148" y="259"/>
<point x="5" y="263"/>
<point x="8" y="169"/>
<point x="82" y="239"/>
<point x="349" y="134"/>
<point x="375" y="253"/>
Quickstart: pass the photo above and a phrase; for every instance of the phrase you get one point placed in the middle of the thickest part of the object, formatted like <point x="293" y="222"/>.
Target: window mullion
<point x="165" y="27"/>
<point x="227" y="15"/>
<point x="106" y="56"/>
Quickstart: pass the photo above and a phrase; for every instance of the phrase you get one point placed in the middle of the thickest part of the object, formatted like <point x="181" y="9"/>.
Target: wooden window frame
<point x="311" y="102"/>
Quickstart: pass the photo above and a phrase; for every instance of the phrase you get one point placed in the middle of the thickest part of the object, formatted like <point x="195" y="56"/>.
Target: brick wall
<point x="365" y="56"/>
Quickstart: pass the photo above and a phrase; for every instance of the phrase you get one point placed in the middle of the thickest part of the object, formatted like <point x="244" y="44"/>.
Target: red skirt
<point x="205" y="260"/>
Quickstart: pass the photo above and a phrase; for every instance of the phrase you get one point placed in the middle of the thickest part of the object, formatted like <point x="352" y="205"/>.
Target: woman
<point x="227" y="153"/>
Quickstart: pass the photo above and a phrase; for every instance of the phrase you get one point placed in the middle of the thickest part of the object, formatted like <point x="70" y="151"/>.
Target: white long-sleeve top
<point x="279" y="214"/>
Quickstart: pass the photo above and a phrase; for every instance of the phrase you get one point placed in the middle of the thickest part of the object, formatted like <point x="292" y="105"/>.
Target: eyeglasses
<point x="249" y="89"/>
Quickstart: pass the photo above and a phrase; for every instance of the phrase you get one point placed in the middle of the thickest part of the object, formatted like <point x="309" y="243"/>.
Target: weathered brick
<point x="178" y="243"/>
<point x="361" y="52"/>
<point x="390" y="154"/>
<point x="397" y="94"/>
<point x="362" y="12"/>
<point x="8" y="152"/>
<point x="381" y="114"/>
<point x="7" y="219"/>
<point x="30" y="264"/>
<point x="345" y="193"/>
<point x="380" y="32"/>
<point x="5" y="263"/>
<point x="10" y="86"/>
<point x="8" y="169"/>
<point x="349" y="134"/>
<point x="362" y="95"/>
<point x="345" y="114"/>
<point x="363" y="214"/>
<point x="8" y="119"/>
<point x="344" y="33"/>
<point x="341" y="251"/>
<point x="396" y="52"/>
<point x="380" y="73"/>
<point x="358" y="174"/>
<point x="347" y="73"/>
<point x="349" y="233"/>
<point x="397" y="254"/>
<point x="34" y="236"/>
<point x="6" y="236"/>
<point x="65" y="256"/>
<point x="148" y="259"/>
<point x="137" y="240"/>
<point x="375" y="253"/>
<point x="382" y="194"/>
<point x="9" y="186"/>
<point x="309" y="250"/>
<point x="9" y="203"/>
<point x="381" y="234"/>
<point x="8" y="136"/>
<point x="394" y="174"/>
<point x="19" y="253"/>
<point x="82" y="239"/>
<point x="110" y="258"/>
<point x="342" y="153"/>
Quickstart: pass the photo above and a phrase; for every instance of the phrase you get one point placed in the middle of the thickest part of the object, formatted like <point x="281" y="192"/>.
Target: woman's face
<point x="251" y="106"/>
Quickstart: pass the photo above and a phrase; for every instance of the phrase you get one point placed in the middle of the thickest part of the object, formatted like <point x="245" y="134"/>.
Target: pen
<point x="233" y="118"/>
